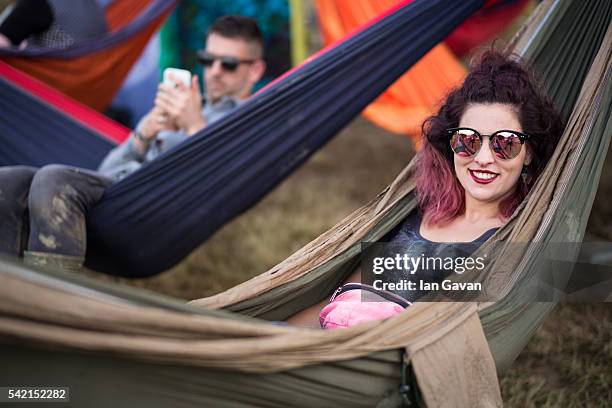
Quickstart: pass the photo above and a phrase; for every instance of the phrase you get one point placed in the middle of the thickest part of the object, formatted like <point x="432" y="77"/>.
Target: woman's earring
<point x="527" y="179"/>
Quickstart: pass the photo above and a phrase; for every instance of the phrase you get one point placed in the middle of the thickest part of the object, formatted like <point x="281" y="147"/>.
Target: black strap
<point x="405" y="388"/>
<point x="391" y="297"/>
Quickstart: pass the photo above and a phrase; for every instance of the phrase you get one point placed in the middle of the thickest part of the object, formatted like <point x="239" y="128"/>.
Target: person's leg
<point x="60" y="197"/>
<point x="14" y="188"/>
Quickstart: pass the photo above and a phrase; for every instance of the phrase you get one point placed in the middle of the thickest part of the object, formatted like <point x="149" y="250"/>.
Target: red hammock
<point x="95" y="77"/>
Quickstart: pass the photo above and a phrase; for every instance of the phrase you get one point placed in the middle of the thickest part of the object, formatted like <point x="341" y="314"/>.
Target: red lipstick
<point x="483" y="180"/>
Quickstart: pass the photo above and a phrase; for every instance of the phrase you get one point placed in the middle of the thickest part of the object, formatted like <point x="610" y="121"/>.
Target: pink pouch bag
<point x="356" y="303"/>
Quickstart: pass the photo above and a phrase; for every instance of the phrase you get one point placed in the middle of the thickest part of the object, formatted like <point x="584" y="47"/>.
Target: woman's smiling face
<point x="486" y="177"/>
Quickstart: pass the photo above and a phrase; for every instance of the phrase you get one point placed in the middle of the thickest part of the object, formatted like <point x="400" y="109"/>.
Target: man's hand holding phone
<point x="180" y="99"/>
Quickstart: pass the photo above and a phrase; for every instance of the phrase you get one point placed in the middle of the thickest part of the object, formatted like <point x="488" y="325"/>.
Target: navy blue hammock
<point x="152" y="219"/>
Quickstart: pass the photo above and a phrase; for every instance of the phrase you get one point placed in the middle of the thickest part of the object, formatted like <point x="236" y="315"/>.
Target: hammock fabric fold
<point x="91" y="71"/>
<point x="172" y="354"/>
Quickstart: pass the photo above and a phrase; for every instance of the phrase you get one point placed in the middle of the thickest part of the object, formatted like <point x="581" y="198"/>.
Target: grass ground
<point x="567" y="363"/>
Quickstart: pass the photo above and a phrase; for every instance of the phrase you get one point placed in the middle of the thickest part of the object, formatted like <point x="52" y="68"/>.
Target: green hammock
<point x="118" y="346"/>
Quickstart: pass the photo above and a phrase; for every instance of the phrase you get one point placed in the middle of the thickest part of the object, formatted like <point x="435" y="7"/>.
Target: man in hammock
<point x="43" y="211"/>
<point x="233" y="63"/>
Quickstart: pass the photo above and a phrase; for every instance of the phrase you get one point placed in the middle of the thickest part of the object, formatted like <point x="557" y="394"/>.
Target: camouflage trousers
<point x="44" y="210"/>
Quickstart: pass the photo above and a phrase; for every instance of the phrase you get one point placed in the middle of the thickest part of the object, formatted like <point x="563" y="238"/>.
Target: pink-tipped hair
<point x="440" y="196"/>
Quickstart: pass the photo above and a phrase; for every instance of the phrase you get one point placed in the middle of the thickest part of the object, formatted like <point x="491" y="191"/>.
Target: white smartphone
<point x="181" y="75"/>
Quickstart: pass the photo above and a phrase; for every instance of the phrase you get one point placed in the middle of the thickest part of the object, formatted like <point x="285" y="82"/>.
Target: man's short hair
<point x="241" y="27"/>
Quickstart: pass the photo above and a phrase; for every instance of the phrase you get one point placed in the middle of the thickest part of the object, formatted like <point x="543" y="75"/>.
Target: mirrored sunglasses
<point x="505" y="144"/>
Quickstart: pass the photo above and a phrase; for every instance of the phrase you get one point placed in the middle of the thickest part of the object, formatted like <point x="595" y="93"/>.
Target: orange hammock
<point x="404" y="106"/>
<point x="94" y="78"/>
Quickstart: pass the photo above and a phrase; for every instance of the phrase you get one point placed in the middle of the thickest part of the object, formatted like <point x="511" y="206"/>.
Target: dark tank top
<point x="406" y="239"/>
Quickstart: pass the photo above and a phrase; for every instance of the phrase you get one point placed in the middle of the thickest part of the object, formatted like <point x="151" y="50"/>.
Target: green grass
<point x="568" y="361"/>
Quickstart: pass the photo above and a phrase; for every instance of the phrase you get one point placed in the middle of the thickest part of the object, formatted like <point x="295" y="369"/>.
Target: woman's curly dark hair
<point x="495" y="77"/>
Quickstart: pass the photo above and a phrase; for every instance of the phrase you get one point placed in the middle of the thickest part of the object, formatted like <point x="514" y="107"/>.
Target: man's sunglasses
<point x="505" y="144"/>
<point x="229" y="64"/>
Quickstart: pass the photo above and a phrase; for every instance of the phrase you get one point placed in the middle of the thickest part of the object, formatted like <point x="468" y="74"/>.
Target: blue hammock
<point x="35" y="133"/>
<point x="152" y="219"/>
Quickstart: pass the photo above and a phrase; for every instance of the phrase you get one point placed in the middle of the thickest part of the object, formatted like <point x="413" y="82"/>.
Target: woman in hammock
<point x="481" y="154"/>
